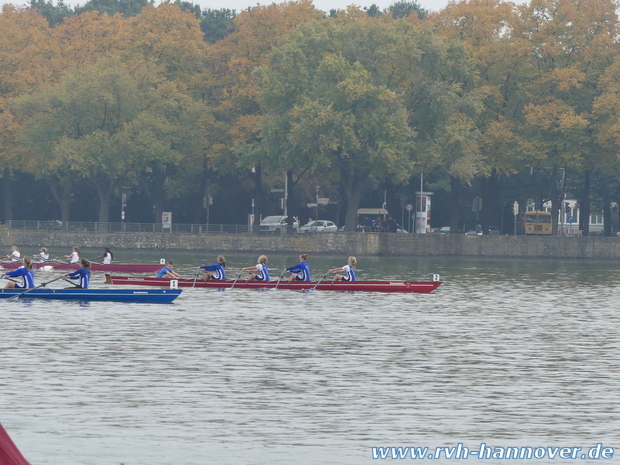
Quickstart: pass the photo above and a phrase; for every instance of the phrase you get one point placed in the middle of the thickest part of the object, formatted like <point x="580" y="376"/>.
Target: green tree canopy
<point x="108" y="126"/>
<point x="329" y="110"/>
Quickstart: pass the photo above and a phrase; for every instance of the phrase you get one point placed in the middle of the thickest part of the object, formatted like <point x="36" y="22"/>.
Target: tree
<point x="27" y="46"/>
<point x="484" y="28"/>
<point x="231" y="84"/>
<point x="570" y="46"/>
<point x="403" y="8"/>
<point x="55" y="14"/>
<point x="111" y="7"/>
<point x="330" y="109"/>
<point x="108" y="126"/>
<point x="217" y="24"/>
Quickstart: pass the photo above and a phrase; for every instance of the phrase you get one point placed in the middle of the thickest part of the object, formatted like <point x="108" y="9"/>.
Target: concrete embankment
<point x="363" y="244"/>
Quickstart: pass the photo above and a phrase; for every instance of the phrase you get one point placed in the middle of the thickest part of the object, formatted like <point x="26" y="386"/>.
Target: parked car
<point x="477" y="231"/>
<point x="318" y="226"/>
<point x="446" y="230"/>
<point x="276" y="225"/>
<point x="400" y="229"/>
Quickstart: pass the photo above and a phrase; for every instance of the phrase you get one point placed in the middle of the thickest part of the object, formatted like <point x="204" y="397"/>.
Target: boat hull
<point x="366" y="286"/>
<point x="158" y="296"/>
<point x="113" y="267"/>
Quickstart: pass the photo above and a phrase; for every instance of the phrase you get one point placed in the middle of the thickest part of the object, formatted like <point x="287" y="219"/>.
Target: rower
<point x="168" y="272"/>
<point x="14" y="256"/>
<point x="217" y="270"/>
<point x="42" y="256"/>
<point x="25" y="273"/>
<point x="74" y="257"/>
<point x="82" y="273"/>
<point x="106" y="258"/>
<point x="348" y="270"/>
<point x="301" y="271"/>
<point x="259" y="272"/>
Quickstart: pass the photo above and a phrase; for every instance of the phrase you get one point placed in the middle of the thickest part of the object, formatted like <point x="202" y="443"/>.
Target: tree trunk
<point x="290" y="200"/>
<point x="199" y="201"/>
<point x="104" y="206"/>
<point x="157" y="193"/>
<point x="555" y="202"/>
<point x="607" y="216"/>
<point x="258" y="197"/>
<point x="490" y="198"/>
<point x="8" y="197"/>
<point x="585" y="204"/>
<point x="455" y="201"/>
<point x="62" y="194"/>
<point x="353" y="189"/>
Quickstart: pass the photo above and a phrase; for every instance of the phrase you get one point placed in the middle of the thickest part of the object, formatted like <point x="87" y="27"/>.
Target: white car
<point x="318" y="226"/>
<point x="276" y="225"/>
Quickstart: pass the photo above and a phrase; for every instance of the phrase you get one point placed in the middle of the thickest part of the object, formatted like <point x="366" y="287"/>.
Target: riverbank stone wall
<point x="362" y="244"/>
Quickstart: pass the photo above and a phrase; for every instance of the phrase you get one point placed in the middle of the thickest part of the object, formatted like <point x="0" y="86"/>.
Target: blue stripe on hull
<point x="120" y="295"/>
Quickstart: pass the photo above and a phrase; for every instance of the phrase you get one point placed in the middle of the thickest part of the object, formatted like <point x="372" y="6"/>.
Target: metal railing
<point x="95" y="227"/>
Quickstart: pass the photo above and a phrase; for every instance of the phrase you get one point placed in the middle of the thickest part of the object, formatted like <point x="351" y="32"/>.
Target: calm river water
<point x="505" y="352"/>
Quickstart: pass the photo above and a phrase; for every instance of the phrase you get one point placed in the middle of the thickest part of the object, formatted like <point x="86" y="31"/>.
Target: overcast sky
<point x="324" y="5"/>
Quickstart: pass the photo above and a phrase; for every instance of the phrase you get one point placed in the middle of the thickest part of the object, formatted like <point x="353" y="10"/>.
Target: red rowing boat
<point x="367" y="286"/>
<point x="118" y="267"/>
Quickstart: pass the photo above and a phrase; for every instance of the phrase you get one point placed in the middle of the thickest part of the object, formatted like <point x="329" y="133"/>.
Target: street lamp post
<point x="317" y="203"/>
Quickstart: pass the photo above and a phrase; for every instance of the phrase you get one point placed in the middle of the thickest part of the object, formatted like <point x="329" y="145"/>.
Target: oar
<point x="236" y="279"/>
<point x="278" y="283"/>
<point x="71" y="282"/>
<point x="196" y="276"/>
<point x="319" y="281"/>
<point x="16" y="296"/>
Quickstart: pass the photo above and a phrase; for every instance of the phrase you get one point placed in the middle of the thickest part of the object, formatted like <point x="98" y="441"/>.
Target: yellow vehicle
<point x="537" y="223"/>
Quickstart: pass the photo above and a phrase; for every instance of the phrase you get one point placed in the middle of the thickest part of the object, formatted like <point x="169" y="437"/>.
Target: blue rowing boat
<point x="155" y="296"/>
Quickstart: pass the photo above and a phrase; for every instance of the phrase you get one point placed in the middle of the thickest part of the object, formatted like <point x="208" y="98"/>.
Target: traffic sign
<point x="409" y="207"/>
<point x="570" y="219"/>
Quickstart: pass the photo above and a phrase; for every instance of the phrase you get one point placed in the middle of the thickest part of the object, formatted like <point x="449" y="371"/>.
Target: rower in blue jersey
<point x="25" y="273"/>
<point x="216" y="271"/>
<point x="82" y="273"/>
<point x="168" y="272"/>
<point x="301" y="271"/>
<point x="348" y="270"/>
<point x="260" y="272"/>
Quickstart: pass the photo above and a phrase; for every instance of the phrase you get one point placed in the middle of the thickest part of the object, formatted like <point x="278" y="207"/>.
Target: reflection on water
<point x="516" y="352"/>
